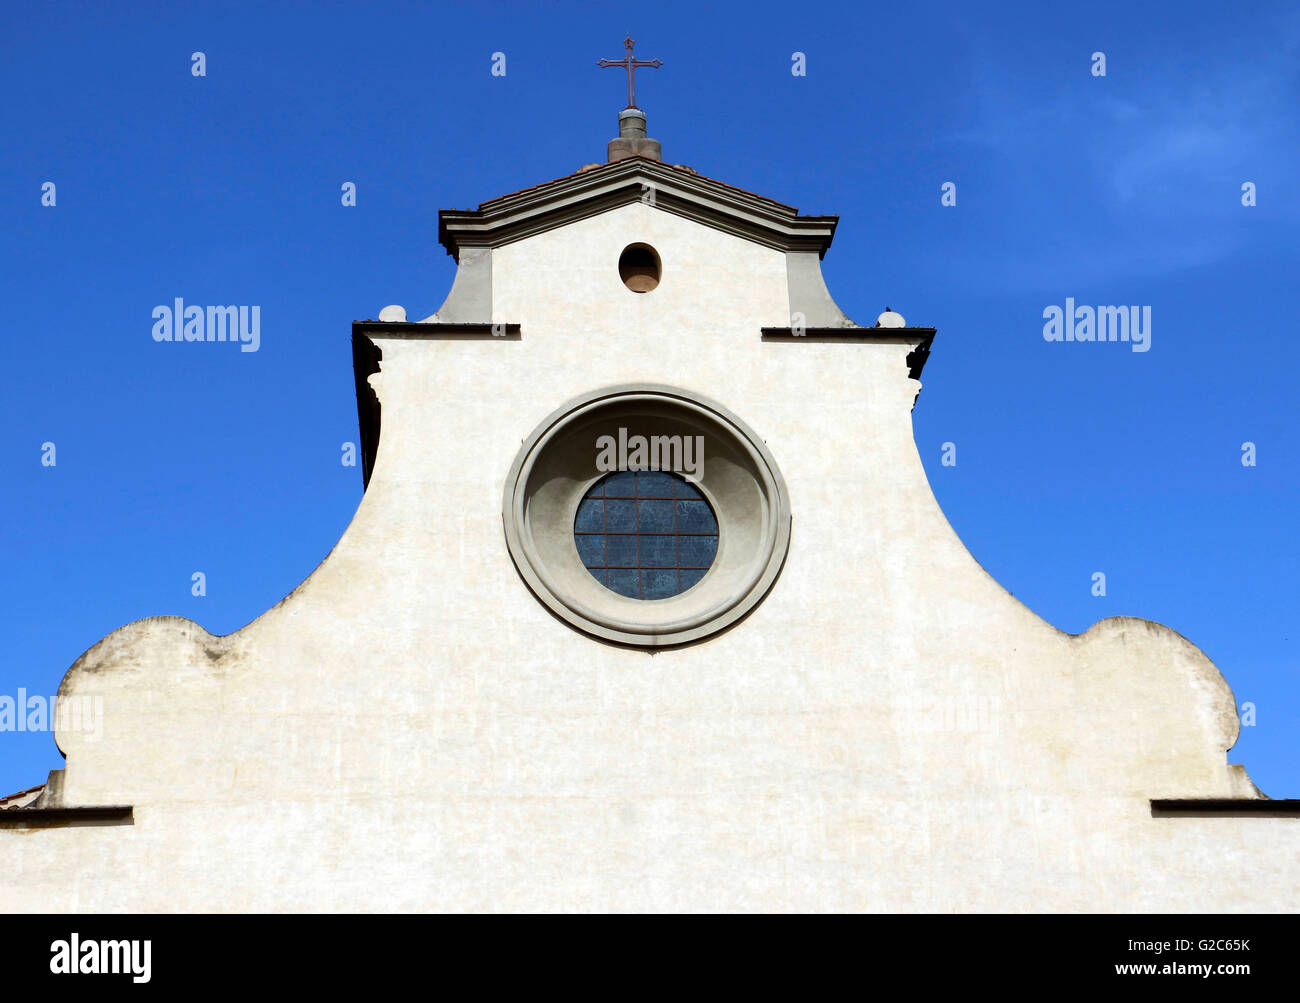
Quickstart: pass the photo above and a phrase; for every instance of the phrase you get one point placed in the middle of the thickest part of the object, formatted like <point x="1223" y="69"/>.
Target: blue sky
<point x="1071" y="458"/>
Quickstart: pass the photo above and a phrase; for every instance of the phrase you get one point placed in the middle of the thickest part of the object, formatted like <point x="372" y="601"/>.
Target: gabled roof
<point x="597" y="189"/>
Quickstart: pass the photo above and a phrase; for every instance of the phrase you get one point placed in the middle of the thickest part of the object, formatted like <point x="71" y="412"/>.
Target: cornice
<point x="677" y="190"/>
<point x="920" y="337"/>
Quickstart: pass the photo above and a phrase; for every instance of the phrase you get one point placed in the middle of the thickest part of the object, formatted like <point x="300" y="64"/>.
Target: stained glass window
<point x="646" y="534"/>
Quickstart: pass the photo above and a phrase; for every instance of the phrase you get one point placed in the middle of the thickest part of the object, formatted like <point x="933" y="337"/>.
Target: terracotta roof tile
<point x="21" y="799"/>
<point x="673" y="167"/>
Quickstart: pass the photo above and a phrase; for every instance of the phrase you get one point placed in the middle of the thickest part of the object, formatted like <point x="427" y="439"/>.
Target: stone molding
<point x="555" y="468"/>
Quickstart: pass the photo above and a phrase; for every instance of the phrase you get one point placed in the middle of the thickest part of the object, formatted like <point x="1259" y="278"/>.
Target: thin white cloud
<point x="1143" y="179"/>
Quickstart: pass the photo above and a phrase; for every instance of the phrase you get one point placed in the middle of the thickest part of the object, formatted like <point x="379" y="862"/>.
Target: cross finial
<point x="632" y="65"/>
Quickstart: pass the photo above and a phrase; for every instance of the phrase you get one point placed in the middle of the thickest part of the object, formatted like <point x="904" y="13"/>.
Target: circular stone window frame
<point x="556" y="467"/>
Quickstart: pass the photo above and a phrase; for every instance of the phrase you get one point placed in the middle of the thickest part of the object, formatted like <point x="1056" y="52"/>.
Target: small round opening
<point x="638" y="267"/>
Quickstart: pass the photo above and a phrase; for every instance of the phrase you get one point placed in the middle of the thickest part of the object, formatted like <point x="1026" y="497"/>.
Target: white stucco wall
<point x="889" y="730"/>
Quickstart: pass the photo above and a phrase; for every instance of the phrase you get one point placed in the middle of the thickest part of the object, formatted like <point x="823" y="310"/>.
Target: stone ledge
<point x="60" y="818"/>
<point x="435" y="329"/>
<point x="924" y="336"/>
<point x="1225" y="807"/>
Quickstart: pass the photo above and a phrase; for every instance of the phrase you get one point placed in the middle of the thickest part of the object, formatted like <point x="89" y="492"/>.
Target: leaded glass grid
<point x="646" y="534"/>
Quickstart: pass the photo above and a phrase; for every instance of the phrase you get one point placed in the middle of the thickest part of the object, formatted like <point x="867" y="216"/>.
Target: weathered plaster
<point x="889" y="729"/>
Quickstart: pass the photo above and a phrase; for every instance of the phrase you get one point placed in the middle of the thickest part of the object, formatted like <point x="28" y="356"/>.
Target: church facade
<point x="648" y="605"/>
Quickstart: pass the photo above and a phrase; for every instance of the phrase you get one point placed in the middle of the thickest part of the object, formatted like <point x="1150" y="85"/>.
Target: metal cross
<point x="631" y="65"/>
